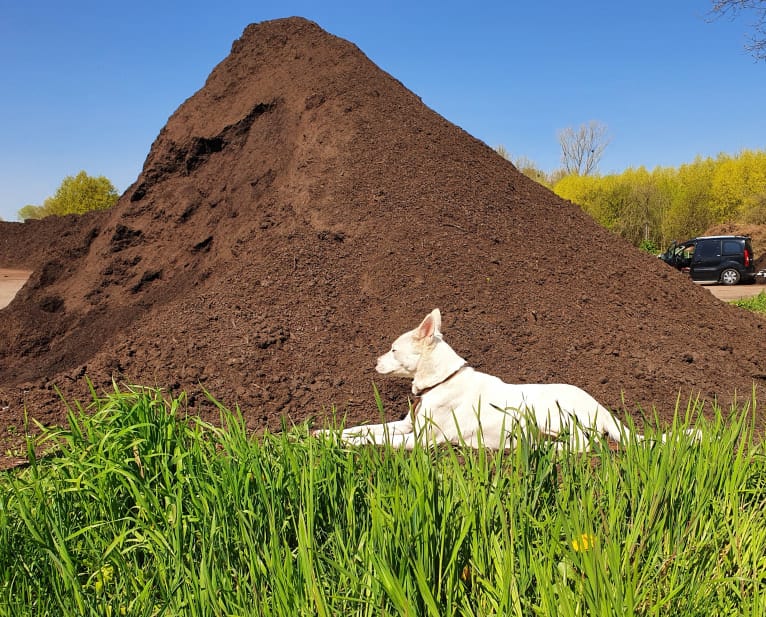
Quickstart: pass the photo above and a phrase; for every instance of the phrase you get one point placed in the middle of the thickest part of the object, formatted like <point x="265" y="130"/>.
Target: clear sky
<point x="87" y="85"/>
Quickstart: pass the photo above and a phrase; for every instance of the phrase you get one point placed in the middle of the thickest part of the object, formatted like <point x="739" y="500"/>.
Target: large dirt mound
<point x="756" y="232"/>
<point x="301" y="210"/>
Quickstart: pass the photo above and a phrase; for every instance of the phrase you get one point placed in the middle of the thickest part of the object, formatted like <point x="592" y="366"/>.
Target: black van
<point x="714" y="259"/>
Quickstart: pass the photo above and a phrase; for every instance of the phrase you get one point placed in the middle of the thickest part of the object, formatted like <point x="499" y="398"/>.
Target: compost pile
<point x="304" y="208"/>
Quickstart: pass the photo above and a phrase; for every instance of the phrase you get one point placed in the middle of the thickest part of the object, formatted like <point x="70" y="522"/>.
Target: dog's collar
<point x="421" y="393"/>
<point x="424" y="391"/>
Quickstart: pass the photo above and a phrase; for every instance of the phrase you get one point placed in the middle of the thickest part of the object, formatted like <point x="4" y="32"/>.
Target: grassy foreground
<point x="144" y="511"/>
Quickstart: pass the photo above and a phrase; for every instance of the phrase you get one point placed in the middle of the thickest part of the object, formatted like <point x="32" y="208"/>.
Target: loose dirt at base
<point x="304" y="208"/>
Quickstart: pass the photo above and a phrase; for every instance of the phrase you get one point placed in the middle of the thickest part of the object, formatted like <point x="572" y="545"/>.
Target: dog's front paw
<point x="693" y="434"/>
<point x="325" y="433"/>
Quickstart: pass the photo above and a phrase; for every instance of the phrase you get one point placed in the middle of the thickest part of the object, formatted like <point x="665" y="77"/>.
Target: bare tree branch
<point x="582" y="149"/>
<point x="732" y="8"/>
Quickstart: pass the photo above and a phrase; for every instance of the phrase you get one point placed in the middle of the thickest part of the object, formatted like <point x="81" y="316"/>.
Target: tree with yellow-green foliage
<point x="76" y="195"/>
<point x="665" y="204"/>
<point x="737" y="181"/>
<point x="597" y="195"/>
<point x="31" y="212"/>
<point x="691" y="211"/>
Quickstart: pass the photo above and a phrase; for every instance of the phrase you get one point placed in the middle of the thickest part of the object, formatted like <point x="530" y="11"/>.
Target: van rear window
<point x="732" y="247"/>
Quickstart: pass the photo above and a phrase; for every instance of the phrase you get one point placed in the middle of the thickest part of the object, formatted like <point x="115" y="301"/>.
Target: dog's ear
<point x="430" y="326"/>
<point x="437" y="317"/>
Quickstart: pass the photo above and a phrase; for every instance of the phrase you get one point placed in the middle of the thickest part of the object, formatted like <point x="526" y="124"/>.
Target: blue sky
<point x="88" y="85"/>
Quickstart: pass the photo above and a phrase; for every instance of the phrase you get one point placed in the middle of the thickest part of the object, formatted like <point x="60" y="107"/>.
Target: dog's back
<point x="481" y="402"/>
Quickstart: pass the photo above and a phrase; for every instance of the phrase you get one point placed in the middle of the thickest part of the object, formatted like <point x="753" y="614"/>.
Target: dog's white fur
<point x="457" y="404"/>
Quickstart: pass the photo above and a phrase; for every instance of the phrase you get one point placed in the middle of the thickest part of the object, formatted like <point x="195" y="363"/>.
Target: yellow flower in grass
<point x="103" y="577"/>
<point x="585" y="542"/>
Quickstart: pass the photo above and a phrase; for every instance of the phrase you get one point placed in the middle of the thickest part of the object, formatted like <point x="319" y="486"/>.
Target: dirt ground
<point x="13" y="280"/>
<point x="735" y="292"/>
<point x="301" y="210"/>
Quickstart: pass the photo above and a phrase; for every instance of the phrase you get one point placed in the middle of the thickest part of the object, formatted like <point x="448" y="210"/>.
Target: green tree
<point x="643" y="201"/>
<point x="32" y="212"/>
<point x="673" y="204"/>
<point x="755" y="214"/>
<point x="598" y="196"/>
<point x="691" y="205"/>
<point x="76" y="195"/>
<point x="735" y="181"/>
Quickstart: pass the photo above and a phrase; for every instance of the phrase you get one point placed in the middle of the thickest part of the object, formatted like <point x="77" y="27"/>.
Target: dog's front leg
<point x="407" y="441"/>
<point x="395" y="440"/>
<point x="377" y="433"/>
<point x="404" y="440"/>
<point x="370" y="431"/>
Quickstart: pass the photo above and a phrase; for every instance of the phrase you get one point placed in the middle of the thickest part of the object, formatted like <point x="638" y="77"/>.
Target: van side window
<point x="731" y="247"/>
<point x="707" y="249"/>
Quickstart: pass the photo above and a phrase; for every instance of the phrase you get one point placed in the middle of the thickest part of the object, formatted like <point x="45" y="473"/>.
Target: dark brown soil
<point x="304" y="208"/>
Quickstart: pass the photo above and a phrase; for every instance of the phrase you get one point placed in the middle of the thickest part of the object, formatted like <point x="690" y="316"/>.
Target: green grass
<point x="145" y="511"/>
<point x="757" y="304"/>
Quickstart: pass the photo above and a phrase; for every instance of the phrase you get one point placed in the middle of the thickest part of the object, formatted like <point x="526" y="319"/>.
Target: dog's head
<point x="403" y="358"/>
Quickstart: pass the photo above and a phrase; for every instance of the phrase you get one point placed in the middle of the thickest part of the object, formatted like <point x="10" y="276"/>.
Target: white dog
<point x="457" y="404"/>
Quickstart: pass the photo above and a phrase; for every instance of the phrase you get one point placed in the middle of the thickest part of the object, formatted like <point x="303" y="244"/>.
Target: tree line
<point x="651" y="208"/>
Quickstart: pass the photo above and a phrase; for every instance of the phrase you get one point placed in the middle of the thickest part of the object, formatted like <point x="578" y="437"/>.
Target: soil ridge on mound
<point x="304" y="208"/>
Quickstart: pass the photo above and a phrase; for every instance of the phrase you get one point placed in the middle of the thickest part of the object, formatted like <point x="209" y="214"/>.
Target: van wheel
<point x="730" y="276"/>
